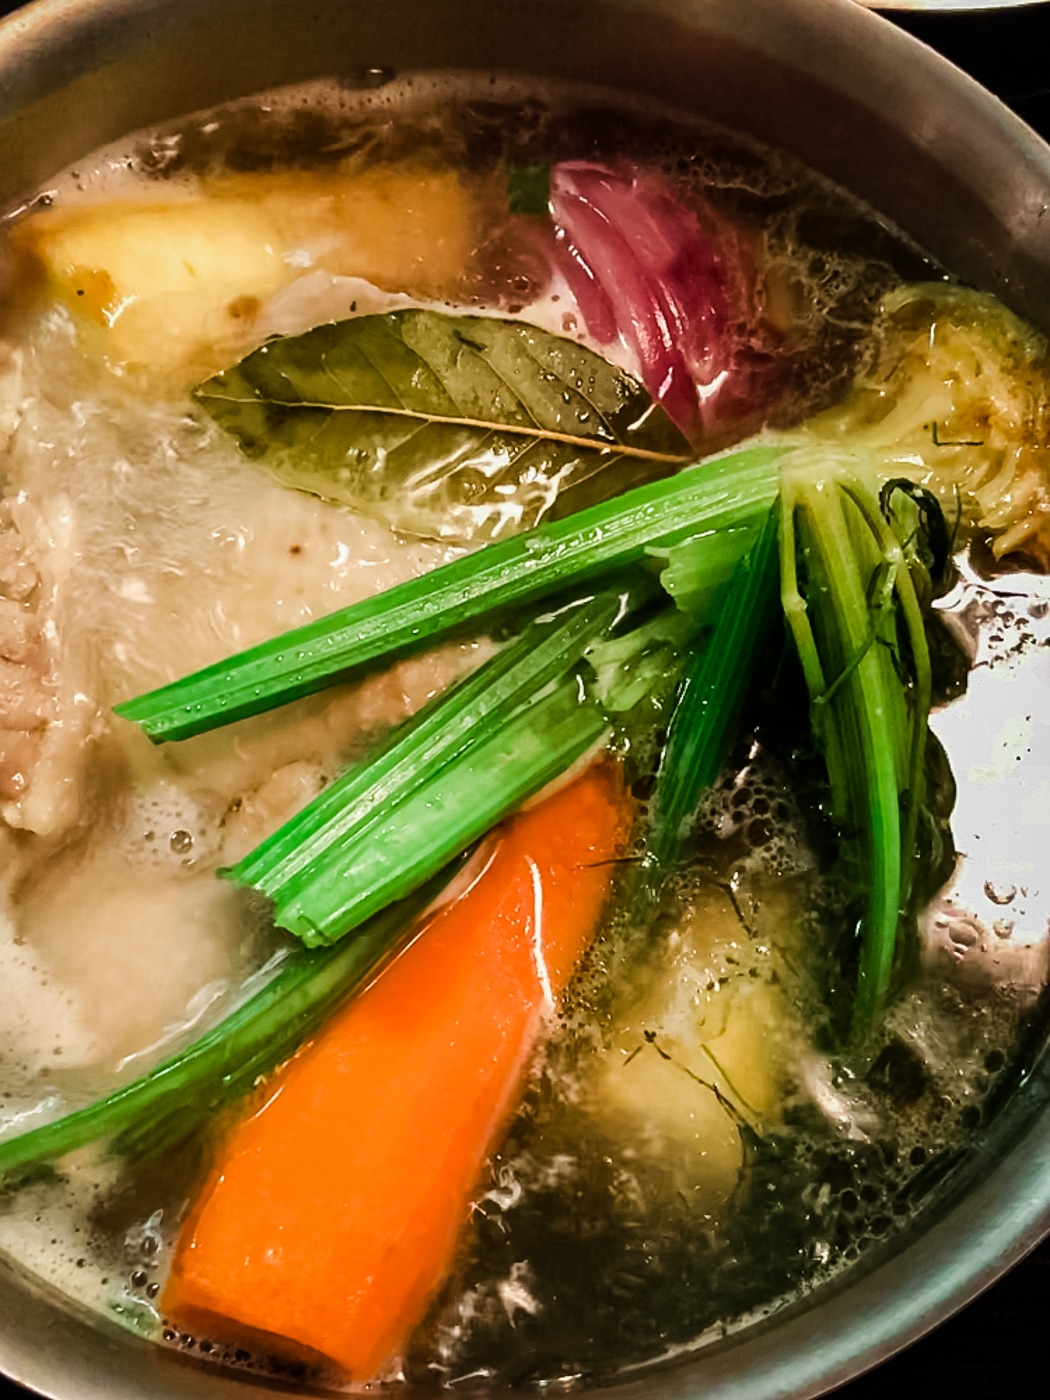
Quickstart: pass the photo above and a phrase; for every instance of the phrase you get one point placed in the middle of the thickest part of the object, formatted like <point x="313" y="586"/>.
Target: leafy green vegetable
<point x="851" y="587"/>
<point x="954" y="396"/>
<point x="156" y="1110"/>
<point x="718" y="674"/>
<point x="698" y="504"/>
<point x="471" y="757"/>
<point x="459" y="427"/>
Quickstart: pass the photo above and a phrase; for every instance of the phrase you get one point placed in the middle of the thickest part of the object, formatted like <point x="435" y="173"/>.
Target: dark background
<point x="1000" y="1346"/>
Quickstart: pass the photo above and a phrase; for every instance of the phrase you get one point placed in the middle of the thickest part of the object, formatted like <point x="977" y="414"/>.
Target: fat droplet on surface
<point x="181" y="842"/>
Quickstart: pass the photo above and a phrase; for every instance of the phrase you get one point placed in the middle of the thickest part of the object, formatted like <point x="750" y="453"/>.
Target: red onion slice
<point x="645" y="270"/>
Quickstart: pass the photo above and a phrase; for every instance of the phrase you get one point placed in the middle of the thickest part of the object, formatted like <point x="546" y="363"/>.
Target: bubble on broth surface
<point x="166" y="829"/>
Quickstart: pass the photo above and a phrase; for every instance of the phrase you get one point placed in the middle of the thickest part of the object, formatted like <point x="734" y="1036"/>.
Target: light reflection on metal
<point x="990" y="927"/>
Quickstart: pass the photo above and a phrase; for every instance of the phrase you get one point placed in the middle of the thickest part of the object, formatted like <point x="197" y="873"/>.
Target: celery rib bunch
<point x="715" y="680"/>
<point x="493" y="740"/>
<point x="467" y="759"/>
<point x="854" y="581"/>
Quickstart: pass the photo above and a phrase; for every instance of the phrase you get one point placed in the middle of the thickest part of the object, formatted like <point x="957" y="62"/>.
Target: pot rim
<point x="942" y="6"/>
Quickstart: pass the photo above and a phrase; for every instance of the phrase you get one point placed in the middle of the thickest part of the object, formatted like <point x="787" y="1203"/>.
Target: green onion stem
<point x="442" y="816"/>
<point x="453" y="721"/>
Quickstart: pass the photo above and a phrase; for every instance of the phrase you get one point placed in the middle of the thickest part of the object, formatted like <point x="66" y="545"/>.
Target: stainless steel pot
<point x="851" y="96"/>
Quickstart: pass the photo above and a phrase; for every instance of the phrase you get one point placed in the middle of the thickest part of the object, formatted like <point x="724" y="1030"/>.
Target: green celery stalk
<point x="905" y="564"/>
<point x="155" y="1110"/>
<point x="694" y="577"/>
<point x="846" y="581"/>
<point x="645" y="660"/>
<point x="541" y="563"/>
<point x="717" y="676"/>
<point x="442" y="816"/>
<point x="370" y="791"/>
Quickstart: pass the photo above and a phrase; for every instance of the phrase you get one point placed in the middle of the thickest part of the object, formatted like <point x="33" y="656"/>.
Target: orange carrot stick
<point x="332" y="1214"/>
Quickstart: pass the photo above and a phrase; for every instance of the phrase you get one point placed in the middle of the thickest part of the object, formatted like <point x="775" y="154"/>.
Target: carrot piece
<point x="332" y="1214"/>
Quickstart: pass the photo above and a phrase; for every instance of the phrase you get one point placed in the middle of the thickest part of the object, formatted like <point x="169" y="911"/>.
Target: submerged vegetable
<point x="331" y="1215"/>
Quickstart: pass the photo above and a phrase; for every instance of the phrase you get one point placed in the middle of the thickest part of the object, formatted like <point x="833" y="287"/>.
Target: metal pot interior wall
<point x="835" y="86"/>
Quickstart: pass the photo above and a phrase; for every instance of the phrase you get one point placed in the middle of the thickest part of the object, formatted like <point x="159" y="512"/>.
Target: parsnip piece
<point x="161" y="280"/>
<point x="178" y="283"/>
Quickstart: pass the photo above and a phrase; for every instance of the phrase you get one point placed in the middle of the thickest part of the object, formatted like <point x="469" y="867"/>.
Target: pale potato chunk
<point x="703" y="1049"/>
<point x="177" y="284"/>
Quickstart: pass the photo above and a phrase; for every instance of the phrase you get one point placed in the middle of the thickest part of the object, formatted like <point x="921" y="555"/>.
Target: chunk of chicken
<point x="27" y="696"/>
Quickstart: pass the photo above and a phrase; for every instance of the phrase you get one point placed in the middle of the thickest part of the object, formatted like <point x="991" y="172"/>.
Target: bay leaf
<point x="460" y="428"/>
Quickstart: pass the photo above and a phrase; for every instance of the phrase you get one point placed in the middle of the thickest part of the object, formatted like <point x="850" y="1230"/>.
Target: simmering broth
<point x="699" y="1137"/>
